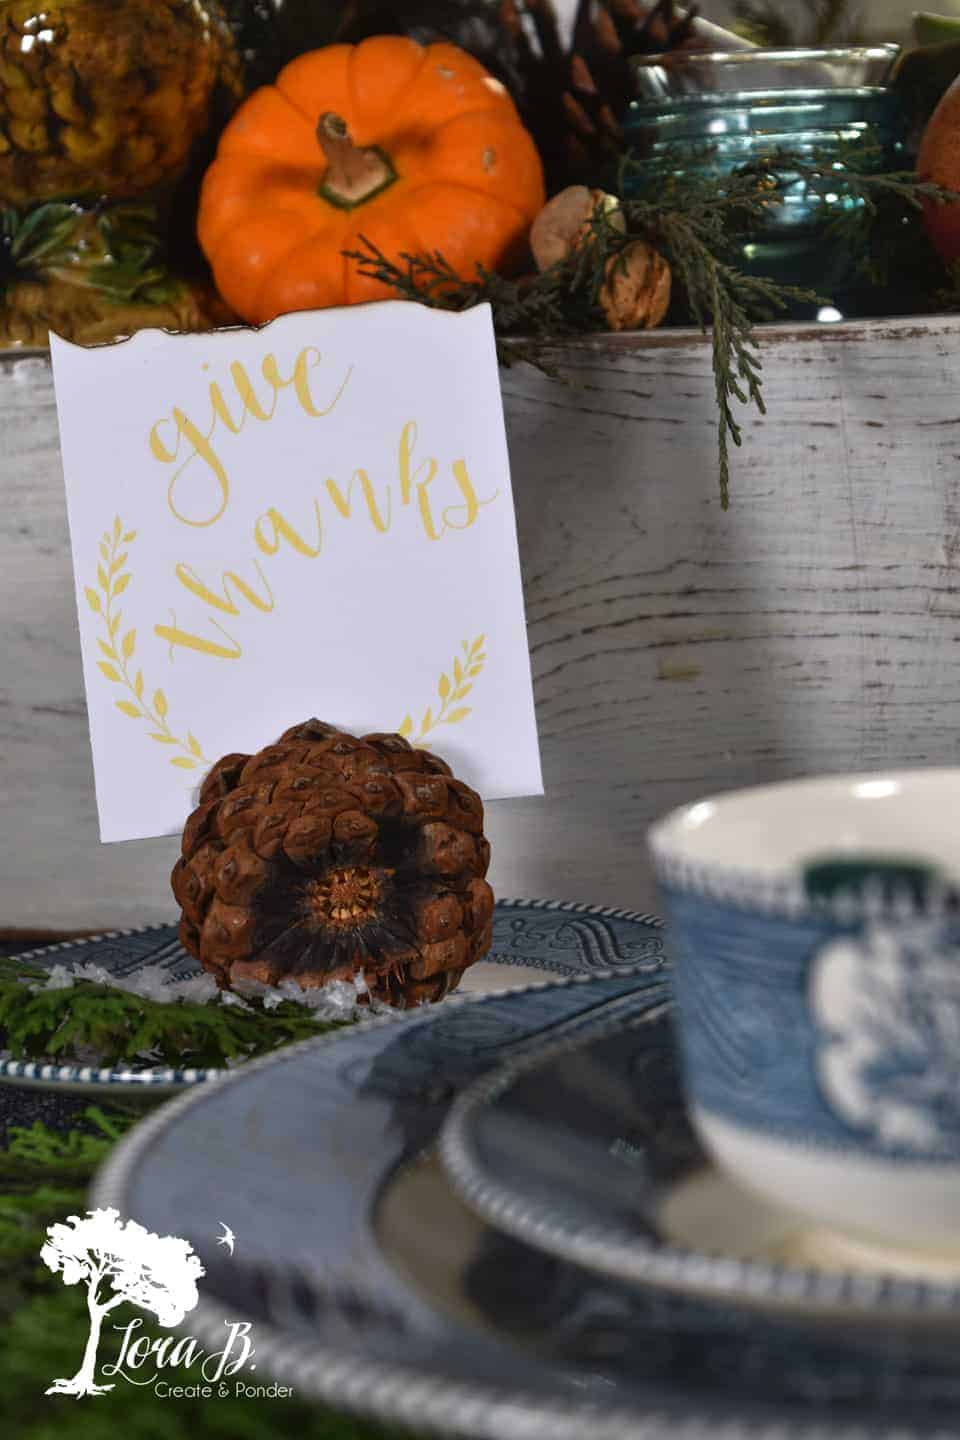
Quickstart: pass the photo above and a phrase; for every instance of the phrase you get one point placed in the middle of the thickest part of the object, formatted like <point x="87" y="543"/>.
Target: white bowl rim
<point x="669" y="838"/>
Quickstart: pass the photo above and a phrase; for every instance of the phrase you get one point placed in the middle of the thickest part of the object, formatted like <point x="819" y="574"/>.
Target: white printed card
<point x="312" y="519"/>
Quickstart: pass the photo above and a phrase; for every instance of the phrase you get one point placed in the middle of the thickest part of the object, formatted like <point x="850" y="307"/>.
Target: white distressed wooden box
<point x="676" y="649"/>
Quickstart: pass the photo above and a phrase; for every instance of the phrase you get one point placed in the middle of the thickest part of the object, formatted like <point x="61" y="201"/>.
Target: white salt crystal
<point x="335" y="1001"/>
<point x="60" y="978"/>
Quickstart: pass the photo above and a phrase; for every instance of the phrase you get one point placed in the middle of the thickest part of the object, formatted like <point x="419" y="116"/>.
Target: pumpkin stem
<point x="353" y="175"/>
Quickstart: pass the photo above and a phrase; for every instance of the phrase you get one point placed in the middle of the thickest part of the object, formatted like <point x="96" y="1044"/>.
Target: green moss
<point x="119" y="1026"/>
<point x="44" y="1177"/>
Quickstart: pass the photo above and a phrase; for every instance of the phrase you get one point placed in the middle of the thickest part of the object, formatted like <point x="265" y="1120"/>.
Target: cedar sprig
<point x="869" y="191"/>
<point x="875" y="215"/>
<point x="696" y="220"/>
<point x="694" y="230"/>
<point x="560" y="303"/>
<point x="728" y="303"/>
<point x="564" y="300"/>
<point x="853" y="184"/>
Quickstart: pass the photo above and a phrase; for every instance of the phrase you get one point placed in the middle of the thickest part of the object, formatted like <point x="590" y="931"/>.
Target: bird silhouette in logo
<point x="227" y="1238"/>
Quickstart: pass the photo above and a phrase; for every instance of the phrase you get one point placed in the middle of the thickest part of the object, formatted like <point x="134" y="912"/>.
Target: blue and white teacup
<point x="816" y="934"/>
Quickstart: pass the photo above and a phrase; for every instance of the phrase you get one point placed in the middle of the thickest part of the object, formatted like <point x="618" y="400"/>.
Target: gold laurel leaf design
<point x="113" y="580"/>
<point x="465" y="669"/>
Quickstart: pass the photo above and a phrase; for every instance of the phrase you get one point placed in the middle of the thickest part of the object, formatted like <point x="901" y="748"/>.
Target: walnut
<point x="635" y="294"/>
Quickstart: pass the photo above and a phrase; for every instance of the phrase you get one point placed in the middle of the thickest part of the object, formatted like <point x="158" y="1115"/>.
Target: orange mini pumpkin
<point x="415" y="147"/>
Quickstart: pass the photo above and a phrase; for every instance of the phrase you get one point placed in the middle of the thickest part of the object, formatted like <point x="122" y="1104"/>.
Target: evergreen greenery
<point x="43" y="1324"/>
<point x="44" y="1177"/>
<point x="697" y="221"/>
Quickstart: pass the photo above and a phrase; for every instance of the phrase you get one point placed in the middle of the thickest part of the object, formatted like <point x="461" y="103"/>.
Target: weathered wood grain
<point x="676" y="649"/>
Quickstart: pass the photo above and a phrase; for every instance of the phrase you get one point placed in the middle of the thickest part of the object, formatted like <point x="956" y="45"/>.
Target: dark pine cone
<point x="574" y="97"/>
<point x="325" y="855"/>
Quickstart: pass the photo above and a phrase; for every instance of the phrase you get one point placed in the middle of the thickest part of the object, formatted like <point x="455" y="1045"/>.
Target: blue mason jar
<point x="715" y="113"/>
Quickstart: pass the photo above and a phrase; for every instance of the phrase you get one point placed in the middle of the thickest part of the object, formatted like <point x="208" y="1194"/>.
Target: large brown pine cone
<point x="326" y="855"/>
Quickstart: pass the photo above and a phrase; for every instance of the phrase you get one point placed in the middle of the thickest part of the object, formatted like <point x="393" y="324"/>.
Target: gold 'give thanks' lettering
<point x="199" y="492"/>
<point x="199" y="489"/>
<point x="223" y="602"/>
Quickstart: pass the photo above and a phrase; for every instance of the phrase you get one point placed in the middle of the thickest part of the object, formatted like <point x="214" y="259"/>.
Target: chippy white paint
<point x="676" y="650"/>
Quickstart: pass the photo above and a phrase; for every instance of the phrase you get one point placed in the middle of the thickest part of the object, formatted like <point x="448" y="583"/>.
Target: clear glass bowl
<point x="718" y="112"/>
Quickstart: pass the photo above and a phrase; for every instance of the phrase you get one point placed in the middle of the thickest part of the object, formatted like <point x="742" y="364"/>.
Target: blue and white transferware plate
<point x="557" y="937"/>
<point x="371" y="1288"/>
<point x="583" y="1148"/>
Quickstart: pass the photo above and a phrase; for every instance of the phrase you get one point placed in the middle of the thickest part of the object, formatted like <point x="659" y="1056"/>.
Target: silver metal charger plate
<point x="561" y="938"/>
<point x="372" y="1289"/>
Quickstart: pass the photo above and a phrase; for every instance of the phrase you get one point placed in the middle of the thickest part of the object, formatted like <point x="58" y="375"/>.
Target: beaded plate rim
<point x="618" y="1253"/>
<point x="784" y="895"/>
<point x="44" y="1074"/>
<point x="411" y="1398"/>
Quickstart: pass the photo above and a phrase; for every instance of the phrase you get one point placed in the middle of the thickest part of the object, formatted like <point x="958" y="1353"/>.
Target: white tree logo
<point x="157" y="1272"/>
